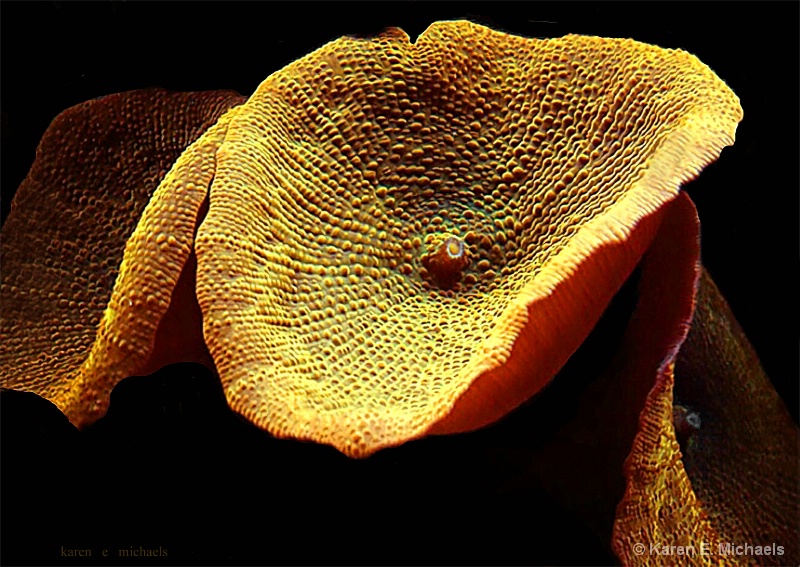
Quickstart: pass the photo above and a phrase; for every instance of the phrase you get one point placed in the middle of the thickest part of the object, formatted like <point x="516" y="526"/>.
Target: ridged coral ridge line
<point x="657" y="481"/>
<point x="154" y="258"/>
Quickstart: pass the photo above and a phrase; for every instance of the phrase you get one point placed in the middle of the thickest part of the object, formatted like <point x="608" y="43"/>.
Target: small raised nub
<point x="447" y="263"/>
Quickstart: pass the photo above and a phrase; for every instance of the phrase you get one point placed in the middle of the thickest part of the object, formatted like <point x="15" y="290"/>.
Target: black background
<point x="57" y="54"/>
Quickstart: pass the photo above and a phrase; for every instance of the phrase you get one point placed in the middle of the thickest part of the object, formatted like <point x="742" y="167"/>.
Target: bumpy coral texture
<point x="350" y="170"/>
<point x="62" y="246"/>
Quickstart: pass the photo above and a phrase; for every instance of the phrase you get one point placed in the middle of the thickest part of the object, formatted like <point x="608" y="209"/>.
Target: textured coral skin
<point x="98" y="165"/>
<point x="517" y="397"/>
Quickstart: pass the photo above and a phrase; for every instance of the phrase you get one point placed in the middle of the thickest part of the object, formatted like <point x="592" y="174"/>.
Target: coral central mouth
<point x="447" y="264"/>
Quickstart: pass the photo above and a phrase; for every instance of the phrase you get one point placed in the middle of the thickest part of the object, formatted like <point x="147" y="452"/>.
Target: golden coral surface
<point x="392" y="239"/>
<point x="348" y="170"/>
<point x="64" y="245"/>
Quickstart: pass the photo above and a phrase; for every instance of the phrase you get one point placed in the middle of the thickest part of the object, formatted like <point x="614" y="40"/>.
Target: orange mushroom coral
<point x="401" y="239"/>
<point x="348" y="170"/>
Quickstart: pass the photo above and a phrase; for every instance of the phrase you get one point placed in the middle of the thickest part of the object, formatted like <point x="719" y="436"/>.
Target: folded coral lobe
<point x="62" y="245"/>
<point x="714" y="466"/>
<point x="350" y="169"/>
